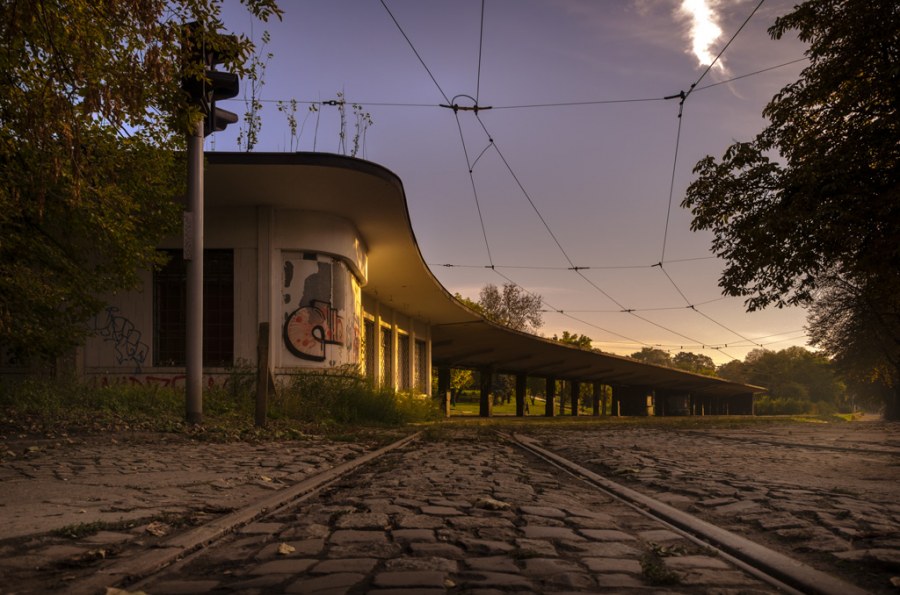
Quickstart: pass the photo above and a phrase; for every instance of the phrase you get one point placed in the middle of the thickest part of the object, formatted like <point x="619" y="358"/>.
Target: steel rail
<point x="774" y="567"/>
<point x="888" y="450"/>
<point x="128" y="571"/>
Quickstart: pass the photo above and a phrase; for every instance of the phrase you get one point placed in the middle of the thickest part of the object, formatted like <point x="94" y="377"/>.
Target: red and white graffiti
<point x="310" y="328"/>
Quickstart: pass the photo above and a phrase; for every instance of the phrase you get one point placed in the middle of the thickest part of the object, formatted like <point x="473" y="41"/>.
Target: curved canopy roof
<point x="373" y="199"/>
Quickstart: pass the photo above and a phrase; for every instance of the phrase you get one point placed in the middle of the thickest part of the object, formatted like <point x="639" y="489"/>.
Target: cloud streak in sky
<point x="704" y="29"/>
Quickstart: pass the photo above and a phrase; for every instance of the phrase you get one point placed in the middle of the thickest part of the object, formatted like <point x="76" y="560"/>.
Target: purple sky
<point x="598" y="175"/>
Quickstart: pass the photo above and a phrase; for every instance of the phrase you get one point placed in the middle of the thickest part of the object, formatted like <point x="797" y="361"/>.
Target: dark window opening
<point x="421" y="366"/>
<point x="170" y="310"/>
<point x="369" y="348"/>
<point x="387" y="369"/>
<point x="403" y="364"/>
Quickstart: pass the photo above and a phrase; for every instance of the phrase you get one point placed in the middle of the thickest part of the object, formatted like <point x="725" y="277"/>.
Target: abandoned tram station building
<point x="321" y="247"/>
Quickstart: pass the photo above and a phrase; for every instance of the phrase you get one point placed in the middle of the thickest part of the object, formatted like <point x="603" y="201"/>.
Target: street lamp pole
<point x="193" y="255"/>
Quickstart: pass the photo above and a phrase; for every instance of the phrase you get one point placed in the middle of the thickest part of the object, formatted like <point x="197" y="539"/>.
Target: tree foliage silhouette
<point x="808" y="212"/>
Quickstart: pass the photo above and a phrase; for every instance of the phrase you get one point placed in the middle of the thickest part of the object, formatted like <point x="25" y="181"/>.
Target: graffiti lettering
<point x="160" y="381"/>
<point x="125" y="337"/>
<point x="309" y="329"/>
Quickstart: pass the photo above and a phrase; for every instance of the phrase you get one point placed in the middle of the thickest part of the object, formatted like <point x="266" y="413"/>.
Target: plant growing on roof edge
<point x="248" y="136"/>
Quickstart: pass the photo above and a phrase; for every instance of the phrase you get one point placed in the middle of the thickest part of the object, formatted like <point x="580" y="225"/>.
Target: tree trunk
<point x="892" y="404"/>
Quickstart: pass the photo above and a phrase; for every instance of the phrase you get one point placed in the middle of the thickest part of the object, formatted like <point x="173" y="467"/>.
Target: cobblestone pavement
<point x="826" y="494"/>
<point x="121" y="483"/>
<point x="466" y="515"/>
<point x="105" y="479"/>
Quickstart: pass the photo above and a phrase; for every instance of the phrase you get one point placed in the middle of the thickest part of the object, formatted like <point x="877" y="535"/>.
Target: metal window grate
<point x="421" y="366"/>
<point x="387" y="341"/>
<point x="369" y="348"/>
<point x="403" y="364"/>
<point x="170" y="309"/>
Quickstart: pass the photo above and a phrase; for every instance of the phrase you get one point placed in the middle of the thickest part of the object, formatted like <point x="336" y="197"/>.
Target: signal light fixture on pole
<point x="204" y="89"/>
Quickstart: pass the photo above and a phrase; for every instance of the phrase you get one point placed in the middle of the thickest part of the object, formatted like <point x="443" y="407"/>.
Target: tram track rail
<point x="775" y="568"/>
<point x="764" y="441"/>
<point x="129" y="571"/>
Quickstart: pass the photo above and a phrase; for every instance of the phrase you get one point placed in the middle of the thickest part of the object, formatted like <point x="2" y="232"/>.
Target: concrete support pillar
<point x="521" y="386"/>
<point x="615" y="404"/>
<point x="444" y="389"/>
<point x="485" y="407"/>
<point x="550" y="394"/>
<point x="596" y="396"/>
<point x="574" y="390"/>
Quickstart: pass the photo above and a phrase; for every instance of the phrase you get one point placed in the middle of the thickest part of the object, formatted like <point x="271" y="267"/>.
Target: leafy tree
<point x="861" y="337"/>
<point x="692" y="362"/>
<point x="582" y="341"/>
<point x="469" y="303"/>
<point x="797" y="375"/>
<point x="652" y="355"/>
<point x="733" y="370"/>
<point x="91" y="117"/>
<point x="511" y="306"/>
<point x="460" y="380"/>
<point x="809" y="211"/>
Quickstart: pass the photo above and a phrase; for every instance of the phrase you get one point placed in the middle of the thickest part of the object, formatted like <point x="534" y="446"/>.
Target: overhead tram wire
<point x="545" y="105"/>
<point x="580" y="103"/>
<point x="682" y="97"/>
<point x="725" y="47"/>
<point x="566" y="268"/>
<point x="470" y="168"/>
<point x="476" y="108"/>
<point x="480" y="50"/>
<point x="573" y="267"/>
<point x="564" y="313"/>
<point x="413" y="48"/>
<point x="749" y="74"/>
<point x="629" y="311"/>
<point x="469" y="164"/>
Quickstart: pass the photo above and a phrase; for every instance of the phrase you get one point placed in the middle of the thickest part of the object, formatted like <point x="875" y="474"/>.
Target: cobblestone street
<point x="464" y="515"/>
<point x="458" y="511"/>
<point x="829" y="495"/>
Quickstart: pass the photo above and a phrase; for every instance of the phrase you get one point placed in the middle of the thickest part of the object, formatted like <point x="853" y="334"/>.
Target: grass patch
<point x="341" y="406"/>
<point x="312" y="404"/>
<point x="656" y="572"/>
<point x="345" y="398"/>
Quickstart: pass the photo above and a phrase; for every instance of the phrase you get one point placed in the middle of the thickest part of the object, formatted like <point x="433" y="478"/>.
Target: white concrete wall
<point x="123" y="332"/>
<point x="263" y="240"/>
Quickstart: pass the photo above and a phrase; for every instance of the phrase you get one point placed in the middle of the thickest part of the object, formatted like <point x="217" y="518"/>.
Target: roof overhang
<point x="368" y="195"/>
<point x="482" y="344"/>
<point x="373" y="199"/>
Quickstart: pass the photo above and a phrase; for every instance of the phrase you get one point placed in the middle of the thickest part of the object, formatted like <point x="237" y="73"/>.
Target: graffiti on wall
<point x="121" y="332"/>
<point x="309" y="329"/>
<point x="322" y="305"/>
<point x="154" y="380"/>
